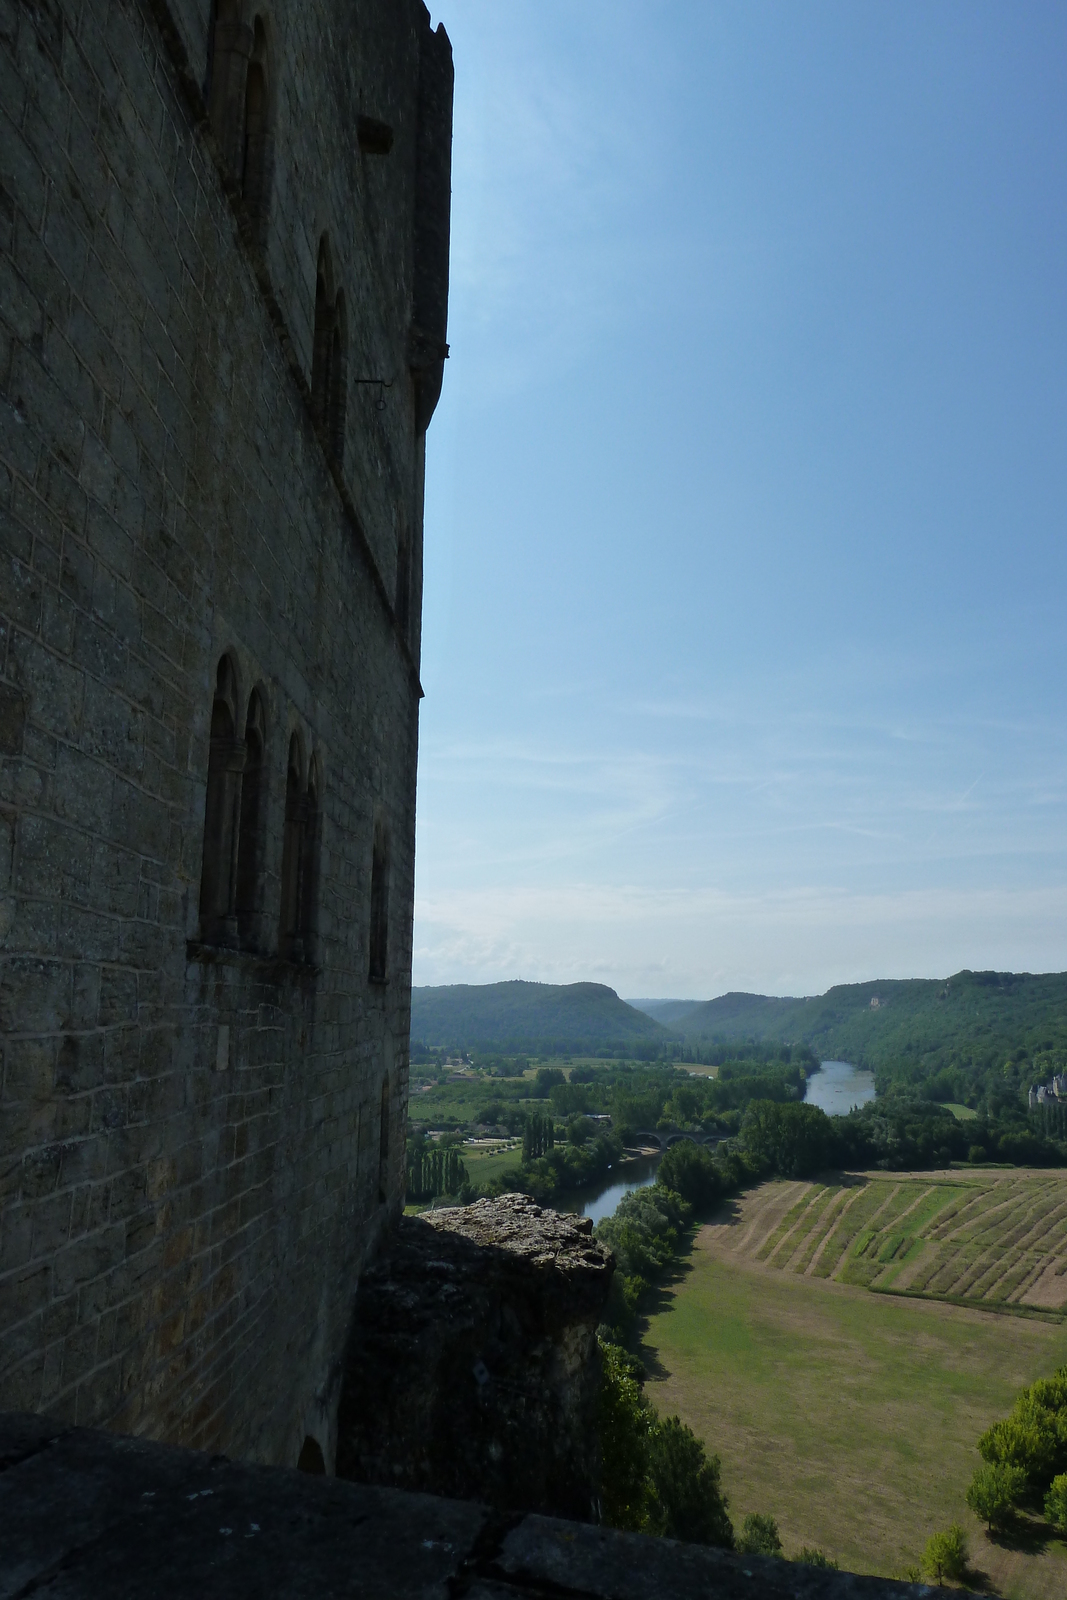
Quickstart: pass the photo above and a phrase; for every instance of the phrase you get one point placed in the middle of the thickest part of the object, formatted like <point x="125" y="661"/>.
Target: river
<point x="835" y="1090"/>
<point x="623" y="1178"/>
<point x="839" y="1087"/>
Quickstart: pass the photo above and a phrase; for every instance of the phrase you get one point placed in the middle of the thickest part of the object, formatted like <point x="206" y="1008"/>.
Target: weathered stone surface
<point x="86" y="1515"/>
<point x="201" y="1127"/>
<point x="548" y="1556"/>
<point x="92" y="1514"/>
<point x="472" y="1367"/>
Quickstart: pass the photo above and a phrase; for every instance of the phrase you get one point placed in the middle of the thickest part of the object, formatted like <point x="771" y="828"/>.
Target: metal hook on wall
<point x="382" y="385"/>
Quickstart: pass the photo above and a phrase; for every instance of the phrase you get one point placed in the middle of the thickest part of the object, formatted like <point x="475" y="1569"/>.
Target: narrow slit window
<point x="383" y="1146"/>
<point x="231" y="47"/>
<point x="309" y="877"/>
<point x="338" y="397"/>
<point x="250" y="842"/>
<point x="379" y="907"/>
<point x="255" y="165"/>
<point x="289" y="939"/>
<point x="322" y="339"/>
<point x="222" y="810"/>
<point x="403" y="580"/>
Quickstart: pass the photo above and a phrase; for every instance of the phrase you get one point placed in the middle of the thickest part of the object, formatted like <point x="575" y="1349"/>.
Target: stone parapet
<point x="86" y="1514"/>
<point x="472" y="1367"/>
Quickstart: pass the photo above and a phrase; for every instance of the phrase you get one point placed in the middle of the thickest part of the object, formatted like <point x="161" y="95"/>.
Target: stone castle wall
<point x="217" y="226"/>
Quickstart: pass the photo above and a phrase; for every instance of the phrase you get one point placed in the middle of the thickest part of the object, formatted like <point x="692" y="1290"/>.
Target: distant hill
<point x="528" y="1016"/>
<point x="669" y="1012"/>
<point x="870" y="1024"/>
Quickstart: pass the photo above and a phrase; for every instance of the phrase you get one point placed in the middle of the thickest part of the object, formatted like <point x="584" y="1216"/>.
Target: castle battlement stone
<point x="472" y="1369"/>
<point x="86" y="1514"/>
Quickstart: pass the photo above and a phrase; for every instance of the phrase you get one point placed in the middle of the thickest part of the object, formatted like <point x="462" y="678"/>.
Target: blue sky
<point x="745" y="568"/>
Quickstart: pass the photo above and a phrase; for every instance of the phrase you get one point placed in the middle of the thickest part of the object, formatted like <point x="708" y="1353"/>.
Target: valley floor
<point x="851" y="1416"/>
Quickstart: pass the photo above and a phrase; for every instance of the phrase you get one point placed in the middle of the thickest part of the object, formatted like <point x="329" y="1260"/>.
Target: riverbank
<point x="637" y="1172"/>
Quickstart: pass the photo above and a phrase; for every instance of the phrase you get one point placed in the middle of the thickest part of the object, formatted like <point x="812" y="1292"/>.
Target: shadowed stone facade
<point x="472" y="1369"/>
<point x="223" y="286"/>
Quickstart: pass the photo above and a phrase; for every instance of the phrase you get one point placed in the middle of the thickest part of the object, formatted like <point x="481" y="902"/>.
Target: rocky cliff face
<point x="472" y="1368"/>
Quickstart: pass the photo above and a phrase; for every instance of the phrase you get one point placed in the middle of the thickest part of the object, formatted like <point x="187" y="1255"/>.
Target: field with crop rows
<point x="995" y="1239"/>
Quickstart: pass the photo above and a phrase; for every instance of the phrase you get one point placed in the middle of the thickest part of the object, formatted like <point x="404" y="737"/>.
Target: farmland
<point x="994" y="1239"/>
<point x="852" y="1416"/>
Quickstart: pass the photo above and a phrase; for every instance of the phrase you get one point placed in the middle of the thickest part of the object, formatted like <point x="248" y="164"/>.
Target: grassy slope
<point x="986" y="1010"/>
<point x="524" y="1015"/>
<point x="483" y="1165"/>
<point x="851" y="1417"/>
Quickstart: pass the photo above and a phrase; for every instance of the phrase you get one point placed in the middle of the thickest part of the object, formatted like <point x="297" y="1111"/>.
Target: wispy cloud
<point x="753" y="520"/>
<point x="705" y="942"/>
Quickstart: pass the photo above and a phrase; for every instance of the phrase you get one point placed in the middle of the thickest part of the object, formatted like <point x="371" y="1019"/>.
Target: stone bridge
<point x="663" y="1141"/>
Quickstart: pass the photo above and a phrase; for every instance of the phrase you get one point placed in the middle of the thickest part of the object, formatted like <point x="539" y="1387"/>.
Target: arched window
<point x="309" y="877"/>
<point x="311" y="1458"/>
<point x="383" y="1146"/>
<point x="379" y="907"/>
<point x="338" y="388"/>
<point x="222" y="811"/>
<point x="231" y="47"/>
<point x="289" y="938"/>
<point x="250" y="842"/>
<point x="255" y="166"/>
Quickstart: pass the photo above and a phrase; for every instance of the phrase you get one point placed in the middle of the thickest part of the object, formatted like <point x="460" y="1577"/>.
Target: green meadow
<point x="851" y="1417"/>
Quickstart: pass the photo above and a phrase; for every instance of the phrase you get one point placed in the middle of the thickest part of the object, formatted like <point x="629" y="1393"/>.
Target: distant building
<point x="1044" y="1094"/>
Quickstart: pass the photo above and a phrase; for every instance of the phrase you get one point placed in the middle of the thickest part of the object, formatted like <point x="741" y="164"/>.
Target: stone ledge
<point x="86" y="1514"/>
<point x="472" y="1369"/>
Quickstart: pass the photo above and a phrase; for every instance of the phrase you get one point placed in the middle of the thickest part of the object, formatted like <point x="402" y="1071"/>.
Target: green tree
<point x="538" y="1137"/>
<point x="809" y="1556"/>
<point x="793" y="1140"/>
<point x="1056" y="1502"/>
<point x="759" y="1536"/>
<point x="1034" y="1436"/>
<point x="1022" y="1442"/>
<point x="624" y="1423"/>
<point x="544" y="1078"/>
<point x="945" y="1555"/>
<point x="688" y="1500"/>
<point x="994" y="1492"/>
<point x="689" y="1169"/>
<point x="580" y="1130"/>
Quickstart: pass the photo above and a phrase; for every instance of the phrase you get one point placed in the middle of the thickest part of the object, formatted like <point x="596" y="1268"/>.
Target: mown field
<point x="488" y="1161"/>
<point x="852" y="1416"/>
<point x="997" y="1239"/>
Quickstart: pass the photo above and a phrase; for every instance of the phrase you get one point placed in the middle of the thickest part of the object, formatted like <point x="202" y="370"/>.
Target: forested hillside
<point x="973" y="1037"/>
<point x="669" y="1012"/>
<point x="538" y="1017"/>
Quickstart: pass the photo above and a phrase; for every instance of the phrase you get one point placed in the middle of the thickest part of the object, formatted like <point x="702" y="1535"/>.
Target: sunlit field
<point x="852" y="1416"/>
